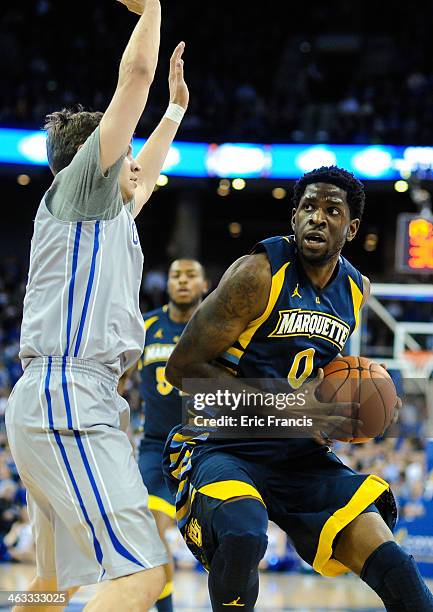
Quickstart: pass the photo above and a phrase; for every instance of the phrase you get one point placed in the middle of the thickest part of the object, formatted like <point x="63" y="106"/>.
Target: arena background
<point x="315" y="80"/>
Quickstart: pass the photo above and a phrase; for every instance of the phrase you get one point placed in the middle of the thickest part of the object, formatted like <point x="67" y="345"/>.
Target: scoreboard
<point x="414" y="244"/>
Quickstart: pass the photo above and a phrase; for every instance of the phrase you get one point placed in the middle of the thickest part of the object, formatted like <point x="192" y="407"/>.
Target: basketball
<point x="361" y="380"/>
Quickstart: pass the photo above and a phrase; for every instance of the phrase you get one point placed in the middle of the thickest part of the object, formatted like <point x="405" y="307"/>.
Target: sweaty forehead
<point x="322" y="190"/>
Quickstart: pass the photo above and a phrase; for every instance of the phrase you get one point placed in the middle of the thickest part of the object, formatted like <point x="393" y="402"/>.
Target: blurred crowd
<point x="339" y="72"/>
<point x="400" y="461"/>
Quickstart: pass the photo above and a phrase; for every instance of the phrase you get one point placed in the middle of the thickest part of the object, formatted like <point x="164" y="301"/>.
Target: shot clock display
<point x="414" y="245"/>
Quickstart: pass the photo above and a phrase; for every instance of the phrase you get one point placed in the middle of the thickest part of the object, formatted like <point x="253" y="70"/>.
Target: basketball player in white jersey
<point x="81" y="329"/>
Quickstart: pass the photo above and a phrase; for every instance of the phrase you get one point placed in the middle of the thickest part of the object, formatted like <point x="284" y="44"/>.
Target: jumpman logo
<point x="235" y="603"/>
<point x="296" y="292"/>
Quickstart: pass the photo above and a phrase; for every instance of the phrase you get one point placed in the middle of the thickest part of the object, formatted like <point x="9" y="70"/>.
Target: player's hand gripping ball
<point x="365" y="382"/>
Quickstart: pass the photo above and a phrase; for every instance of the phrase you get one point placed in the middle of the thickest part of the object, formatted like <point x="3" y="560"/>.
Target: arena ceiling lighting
<point x="246" y="160"/>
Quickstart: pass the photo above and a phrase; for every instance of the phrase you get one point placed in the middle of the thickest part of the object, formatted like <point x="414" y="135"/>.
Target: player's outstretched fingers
<point x="135" y="6"/>
<point x="397" y="409"/>
<point x="322" y="438"/>
<point x="349" y="410"/>
<point x="311" y="385"/>
<point x="178" y="52"/>
<point x="176" y="61"/>
<point x="179" y="93"/>
<point x="342" y="427"/>
<point x="344" y="419"/>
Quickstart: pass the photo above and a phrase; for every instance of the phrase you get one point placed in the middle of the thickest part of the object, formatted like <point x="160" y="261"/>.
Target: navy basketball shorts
<point x="150" y="464"/>
<point x="312" y="498"/>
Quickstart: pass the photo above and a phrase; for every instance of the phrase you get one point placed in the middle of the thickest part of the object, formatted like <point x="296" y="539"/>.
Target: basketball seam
<point x="359" y="368"/>
<point x="337" y="390"/>
<point x="381" y="399"/>
<point x="341" y="370"/>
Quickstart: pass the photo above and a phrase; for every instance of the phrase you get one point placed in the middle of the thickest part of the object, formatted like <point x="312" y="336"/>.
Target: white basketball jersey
<point x="82" y="297"/>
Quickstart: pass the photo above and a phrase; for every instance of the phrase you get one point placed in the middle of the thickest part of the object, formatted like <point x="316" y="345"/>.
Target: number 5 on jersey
<point x="163" y="387"/>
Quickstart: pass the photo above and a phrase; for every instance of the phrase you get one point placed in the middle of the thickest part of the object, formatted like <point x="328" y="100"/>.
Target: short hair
<point x="202" y="268"/>
<point x="66" y="131"/>
<point x="334" y="176"/>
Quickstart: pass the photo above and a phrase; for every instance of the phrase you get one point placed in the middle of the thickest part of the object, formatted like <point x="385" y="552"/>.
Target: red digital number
<point x="420" y="244"/>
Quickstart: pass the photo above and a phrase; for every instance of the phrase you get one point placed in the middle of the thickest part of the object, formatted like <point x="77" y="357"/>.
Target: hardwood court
<point x="278" y="592"/>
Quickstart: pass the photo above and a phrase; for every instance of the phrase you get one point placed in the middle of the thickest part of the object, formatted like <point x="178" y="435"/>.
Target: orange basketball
<point x="361" y="380"/>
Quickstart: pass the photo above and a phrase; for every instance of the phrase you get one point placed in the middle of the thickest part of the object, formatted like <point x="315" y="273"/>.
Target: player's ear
<point x="206" y="287"/>
<point x="353" y="229"/>
<point x="293" y="218"/>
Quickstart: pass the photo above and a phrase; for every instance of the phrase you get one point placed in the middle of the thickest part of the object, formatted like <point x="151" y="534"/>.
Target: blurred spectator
<point x="154" y="284"/>
<point x="413" y="505"/>
<point x="19" y="541"/>
<point x="326" y="75"/>
<point x="401" y="462"/>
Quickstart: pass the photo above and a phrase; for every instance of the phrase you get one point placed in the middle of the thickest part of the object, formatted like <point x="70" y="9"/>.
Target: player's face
<point x="186" y="285"/>
<point x="322" y="223"/>
<point x="128" y="176"/>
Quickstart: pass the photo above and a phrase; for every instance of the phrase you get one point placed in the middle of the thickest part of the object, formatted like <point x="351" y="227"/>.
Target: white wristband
<point x="175" y="112"/>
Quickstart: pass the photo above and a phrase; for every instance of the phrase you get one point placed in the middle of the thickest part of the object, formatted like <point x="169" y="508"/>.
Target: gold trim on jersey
<point x="183" y="464"/>
<point x="178" y="437"/>
<point x="150" y="321"/>
<point x="167" y="590"/>
<point x="232" y="356"/>
<point x="184" y="510"/>
<point x="370" y="490"/>
<point x="226" y="489"/>
<point x="159" y="504"/>
<point x="235" y="352"/>
<point x="276" y="287"/>
<point x="181" y="486"/>
<point x="174" y="457"/>
<point x="356" y="299"/>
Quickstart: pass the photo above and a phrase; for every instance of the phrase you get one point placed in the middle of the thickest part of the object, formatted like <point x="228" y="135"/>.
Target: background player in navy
<point x="285" y="311"/>
<point x="186" y="287"/>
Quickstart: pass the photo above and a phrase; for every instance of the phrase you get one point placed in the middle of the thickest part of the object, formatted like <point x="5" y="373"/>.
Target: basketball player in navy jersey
<point x="186" y="288"/>
<point x="285" y="310"/>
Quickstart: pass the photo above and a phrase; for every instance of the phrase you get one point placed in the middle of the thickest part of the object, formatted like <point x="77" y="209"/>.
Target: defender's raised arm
<point x="136" y="73"/>
<point x="152" y="156"/>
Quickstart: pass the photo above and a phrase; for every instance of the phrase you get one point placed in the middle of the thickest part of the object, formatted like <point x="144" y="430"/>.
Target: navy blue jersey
<point x="162" y="402"/>
<point x="303" y="328"/>
<point x="303" y="485"/>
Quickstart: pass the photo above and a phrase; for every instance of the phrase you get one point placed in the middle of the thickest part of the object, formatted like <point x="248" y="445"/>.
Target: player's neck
<point x="178" y="315"/>
<point x="320" y="276"/>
